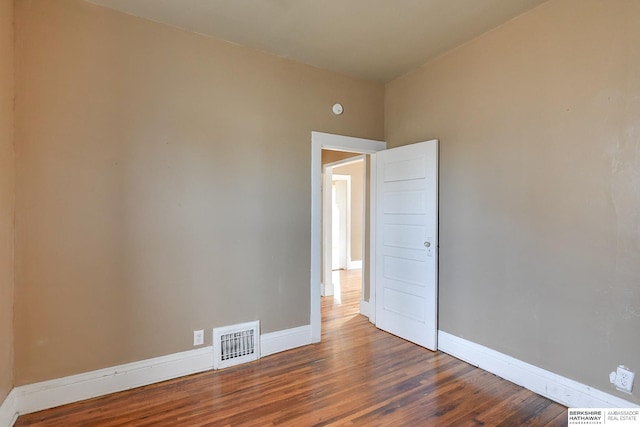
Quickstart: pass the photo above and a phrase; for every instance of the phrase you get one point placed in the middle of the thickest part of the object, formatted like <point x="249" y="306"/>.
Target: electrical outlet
<point x="623" y="379"/>
<point x="198" y="337"/>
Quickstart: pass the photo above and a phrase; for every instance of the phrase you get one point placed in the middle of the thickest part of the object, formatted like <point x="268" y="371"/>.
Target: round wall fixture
<point x="337" y="109"/>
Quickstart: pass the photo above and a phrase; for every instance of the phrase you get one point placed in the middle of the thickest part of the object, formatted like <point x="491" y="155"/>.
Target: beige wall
<point x="162" y="175"/>
<point x="6" y="197"/>
<point x="162" y="185"/>
<point x="539" y="123"/>
<point x="355" y="171"/>
<point x="330" y="156"/>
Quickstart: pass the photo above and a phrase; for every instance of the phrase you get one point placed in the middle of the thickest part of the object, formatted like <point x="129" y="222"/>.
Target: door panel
<point x="404" y="236"/>
<point x="406" y="249"/>
<point x="403" y="202"/>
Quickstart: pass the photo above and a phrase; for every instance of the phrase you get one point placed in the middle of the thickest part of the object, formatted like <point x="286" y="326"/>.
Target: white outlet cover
<point x="198" y="337"/>
<point x="624" y="379"/>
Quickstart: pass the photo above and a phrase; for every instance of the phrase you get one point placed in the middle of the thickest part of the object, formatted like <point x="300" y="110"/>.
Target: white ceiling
<point x="372" y="39"/>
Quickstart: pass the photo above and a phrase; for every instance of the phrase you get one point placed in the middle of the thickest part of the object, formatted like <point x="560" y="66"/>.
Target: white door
<point x="407" y="242"/>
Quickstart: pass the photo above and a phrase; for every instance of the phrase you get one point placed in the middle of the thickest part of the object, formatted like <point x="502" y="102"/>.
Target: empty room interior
<point x="162" y="175"/>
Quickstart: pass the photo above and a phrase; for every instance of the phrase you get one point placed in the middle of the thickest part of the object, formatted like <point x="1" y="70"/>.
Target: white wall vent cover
<point x="236" y="344"/>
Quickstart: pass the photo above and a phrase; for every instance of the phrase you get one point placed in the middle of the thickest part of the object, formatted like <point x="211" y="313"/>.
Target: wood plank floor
<point x="358" y="375"/>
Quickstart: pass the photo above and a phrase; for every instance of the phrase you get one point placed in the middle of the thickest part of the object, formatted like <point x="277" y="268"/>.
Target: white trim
<point x="275" y="342"/>
<point x="315" y="317"/>
<point x="320" y="140"/>
<point x="328" y="289"/>
<point x="373" y="200"/>
<point x="365" y="308"/>
<point x="327" y="224"/>
<point x="553" y="386"/>
<point x="49" y="394"/>
<point x="8" y="410"/>
<point x="354" y="265"/>
<point x="329" y="141"/>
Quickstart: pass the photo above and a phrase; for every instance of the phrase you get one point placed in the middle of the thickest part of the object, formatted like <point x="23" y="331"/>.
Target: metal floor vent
<point x="236" y="344"/>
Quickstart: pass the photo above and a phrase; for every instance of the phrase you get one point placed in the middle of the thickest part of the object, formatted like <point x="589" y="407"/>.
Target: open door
<point x="407" y="242"/>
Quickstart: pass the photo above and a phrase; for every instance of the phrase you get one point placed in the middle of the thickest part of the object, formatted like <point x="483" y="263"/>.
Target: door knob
<point x="427" y="244"/>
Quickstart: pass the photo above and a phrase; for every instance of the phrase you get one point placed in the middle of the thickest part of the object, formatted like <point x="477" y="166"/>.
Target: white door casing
<point x="407" y="242"/>
<point x="320" y="141"/>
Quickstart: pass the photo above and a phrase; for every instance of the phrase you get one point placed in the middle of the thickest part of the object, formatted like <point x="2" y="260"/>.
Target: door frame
<point x="327" y="141"/>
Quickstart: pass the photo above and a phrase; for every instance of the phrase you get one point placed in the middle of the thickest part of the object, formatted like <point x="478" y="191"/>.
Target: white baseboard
<point x="8" y="410"/>
<point x="48" y="394"/>
<point x="364" y="308"/>
<point x="328" y="290"/>
<point x="275" y="342"/>
<point x="545" y="383"/>
<point x="354" y="265"/>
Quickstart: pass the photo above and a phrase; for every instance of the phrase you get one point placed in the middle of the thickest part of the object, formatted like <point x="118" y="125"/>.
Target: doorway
<point x="403" y="189"/>
<point x="344" y="222"/>
<point x="319" y="142"/>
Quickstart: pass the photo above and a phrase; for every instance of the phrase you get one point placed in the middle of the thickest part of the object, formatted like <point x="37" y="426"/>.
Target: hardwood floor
<point x="358" y="375"/>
